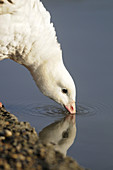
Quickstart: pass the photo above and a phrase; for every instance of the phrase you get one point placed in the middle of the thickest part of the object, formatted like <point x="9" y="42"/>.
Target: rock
<point x="8" y="133"/>
<point x="20" y="148"/>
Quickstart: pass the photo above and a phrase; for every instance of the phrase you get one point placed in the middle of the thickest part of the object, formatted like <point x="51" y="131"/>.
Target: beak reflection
<point x="60" y="133"/>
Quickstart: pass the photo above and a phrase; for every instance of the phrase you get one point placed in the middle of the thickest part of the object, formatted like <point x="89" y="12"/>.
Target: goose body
<point x="28" y="37"/>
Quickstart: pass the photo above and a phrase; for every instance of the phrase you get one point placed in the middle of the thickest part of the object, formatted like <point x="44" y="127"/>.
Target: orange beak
<point x="71" y="107"/>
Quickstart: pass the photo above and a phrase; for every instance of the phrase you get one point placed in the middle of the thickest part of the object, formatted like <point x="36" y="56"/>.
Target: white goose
<point x="28" y="37"/>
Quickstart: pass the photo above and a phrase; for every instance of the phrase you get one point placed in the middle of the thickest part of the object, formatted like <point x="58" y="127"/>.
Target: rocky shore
<point x="21" y="149"/>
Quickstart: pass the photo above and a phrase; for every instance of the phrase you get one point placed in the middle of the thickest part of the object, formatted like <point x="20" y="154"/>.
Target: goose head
<point x="54" y="81"/>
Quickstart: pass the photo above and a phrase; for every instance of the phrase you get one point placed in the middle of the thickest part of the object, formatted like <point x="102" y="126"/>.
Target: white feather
<point x="28" y="37"/>
<point x="25" y="27"/>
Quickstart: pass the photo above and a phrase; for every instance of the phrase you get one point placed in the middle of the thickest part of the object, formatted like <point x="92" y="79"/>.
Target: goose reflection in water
<point x="61" y="134"/>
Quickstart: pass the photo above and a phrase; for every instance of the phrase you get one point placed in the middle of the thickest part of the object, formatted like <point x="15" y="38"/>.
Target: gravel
<point x="21" y="149"/>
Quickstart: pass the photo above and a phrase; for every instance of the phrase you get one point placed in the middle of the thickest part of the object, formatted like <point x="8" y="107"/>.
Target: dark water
<point x="85" y="30"/>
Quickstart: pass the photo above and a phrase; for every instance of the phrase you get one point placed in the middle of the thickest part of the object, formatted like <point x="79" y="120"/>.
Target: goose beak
<point x="71" y="107"/>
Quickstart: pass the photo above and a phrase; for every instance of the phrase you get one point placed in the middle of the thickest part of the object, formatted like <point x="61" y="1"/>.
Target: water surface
<point x="85" y="31"/>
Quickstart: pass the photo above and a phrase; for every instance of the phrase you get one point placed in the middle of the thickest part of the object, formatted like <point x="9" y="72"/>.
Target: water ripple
<point x="85" y="109"/>
<point x="35" y="109"/>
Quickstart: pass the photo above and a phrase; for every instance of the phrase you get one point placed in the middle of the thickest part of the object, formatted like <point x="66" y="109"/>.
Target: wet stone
<point x="14" y="156"/>
<point x="8" y="133"/>
<point x="39" y="167"/>
<point x="1" y="134"/>
<point x="18" y="165"/>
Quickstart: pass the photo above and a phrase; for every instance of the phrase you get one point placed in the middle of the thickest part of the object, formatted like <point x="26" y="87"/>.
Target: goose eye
<point x="64" y="91"/>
